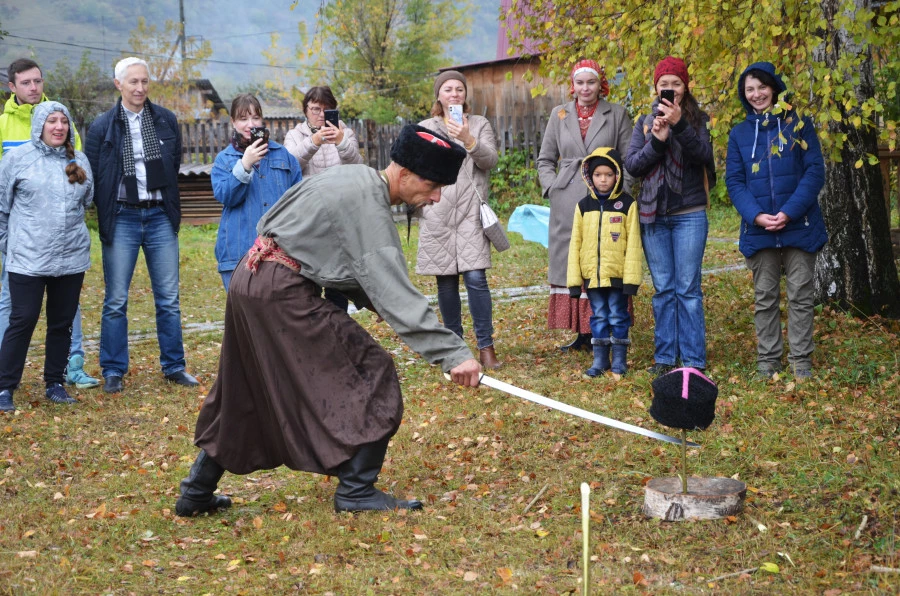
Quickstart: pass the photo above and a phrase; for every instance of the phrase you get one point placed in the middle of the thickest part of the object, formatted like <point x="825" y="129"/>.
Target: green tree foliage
<point x="829" y="52"/>
<point x="170" y="75"/>
<point x="87" y="91"/>
<point x="379" y="55"/>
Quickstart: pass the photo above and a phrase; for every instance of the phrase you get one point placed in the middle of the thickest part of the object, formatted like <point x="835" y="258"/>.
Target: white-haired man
<point x="135" y="152"/>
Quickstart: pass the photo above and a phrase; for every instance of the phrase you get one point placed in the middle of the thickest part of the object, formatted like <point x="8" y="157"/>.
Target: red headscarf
<point x="590" y="66"/>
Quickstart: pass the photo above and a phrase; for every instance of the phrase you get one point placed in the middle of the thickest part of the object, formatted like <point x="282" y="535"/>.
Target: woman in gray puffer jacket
<point x="451" y="239"/>
<point x="45" y="186"/>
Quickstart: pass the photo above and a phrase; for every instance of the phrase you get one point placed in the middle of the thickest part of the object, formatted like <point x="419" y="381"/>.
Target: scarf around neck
<point x="155" y="171"/>
<point x="668" y="173"/>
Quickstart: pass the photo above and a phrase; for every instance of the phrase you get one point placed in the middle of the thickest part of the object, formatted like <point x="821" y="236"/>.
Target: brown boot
<point x="488" y="357"/>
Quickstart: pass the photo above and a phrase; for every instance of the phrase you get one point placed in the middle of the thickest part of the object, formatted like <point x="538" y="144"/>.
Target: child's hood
<point x="606" y="156"/>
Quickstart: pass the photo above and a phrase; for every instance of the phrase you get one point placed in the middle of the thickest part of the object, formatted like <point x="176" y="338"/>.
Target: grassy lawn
<point x="87" y="493"/>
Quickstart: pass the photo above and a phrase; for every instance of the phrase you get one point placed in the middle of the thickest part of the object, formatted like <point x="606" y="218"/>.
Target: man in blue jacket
<point x="135" y="153"/>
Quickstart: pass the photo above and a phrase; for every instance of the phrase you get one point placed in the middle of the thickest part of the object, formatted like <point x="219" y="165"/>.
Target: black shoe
<point x="6" y="402"/>
<point x="57" y="394"/>
<point x="197" y="490"/>
<point x="357" y="477"/>
<point x="112" y="384"/>
<point x="582" y="341"/>
<point x="182" y="378"/>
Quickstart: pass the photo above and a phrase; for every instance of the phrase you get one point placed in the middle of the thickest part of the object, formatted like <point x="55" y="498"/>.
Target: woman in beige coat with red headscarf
<point x="451" y="239"/>
<point x="574" y="130"/>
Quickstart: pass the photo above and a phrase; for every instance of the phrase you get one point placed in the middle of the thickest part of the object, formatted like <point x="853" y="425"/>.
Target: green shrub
<point x="514" y="182"/>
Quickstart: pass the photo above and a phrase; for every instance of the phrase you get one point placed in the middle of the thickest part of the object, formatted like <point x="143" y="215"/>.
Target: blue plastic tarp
<point x="532" y="222"/>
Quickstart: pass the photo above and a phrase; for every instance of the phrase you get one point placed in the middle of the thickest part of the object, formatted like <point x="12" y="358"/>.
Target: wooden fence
<point x="202" y="141"/>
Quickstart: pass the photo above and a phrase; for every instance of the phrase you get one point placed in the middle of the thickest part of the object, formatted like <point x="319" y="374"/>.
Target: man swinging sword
<point x="300" y="383"/>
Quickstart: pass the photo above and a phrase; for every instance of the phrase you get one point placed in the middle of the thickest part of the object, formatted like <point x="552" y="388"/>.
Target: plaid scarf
<point x="668" y="173"/>
<point x="155" y="171"/>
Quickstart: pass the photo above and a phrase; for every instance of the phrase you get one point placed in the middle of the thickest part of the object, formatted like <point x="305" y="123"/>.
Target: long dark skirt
<point x="300" y="383"/>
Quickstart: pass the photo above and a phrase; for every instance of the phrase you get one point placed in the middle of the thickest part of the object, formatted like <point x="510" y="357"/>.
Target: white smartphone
<point x="456" y="113"/>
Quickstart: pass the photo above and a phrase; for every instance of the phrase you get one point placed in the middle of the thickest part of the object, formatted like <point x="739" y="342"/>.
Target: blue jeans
<point x="75" y="347"/>
<point x="479" y="305"/>
<point x="610" y="308"/>
<point x="674" y="247"/>
<point x="150" y="230"/>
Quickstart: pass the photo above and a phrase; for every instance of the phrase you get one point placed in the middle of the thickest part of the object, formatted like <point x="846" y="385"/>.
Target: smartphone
<point x="332" y="116"/>
<point x="259" y="132"/>
<point x="456" y="113"/>
<point x="667" y="94"/>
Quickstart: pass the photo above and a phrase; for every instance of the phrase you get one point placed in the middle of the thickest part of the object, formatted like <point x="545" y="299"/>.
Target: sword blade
<point x="587" y="415"/>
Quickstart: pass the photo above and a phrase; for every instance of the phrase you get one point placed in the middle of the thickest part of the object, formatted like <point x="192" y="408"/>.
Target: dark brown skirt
<point x="300" y="383"/>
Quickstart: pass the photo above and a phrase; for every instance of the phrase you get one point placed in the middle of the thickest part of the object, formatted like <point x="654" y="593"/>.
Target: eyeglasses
<point x="315" y="111"/>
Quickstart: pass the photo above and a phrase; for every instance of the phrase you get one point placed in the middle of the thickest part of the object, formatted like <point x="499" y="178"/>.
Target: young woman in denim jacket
<point x="248" y="177"/>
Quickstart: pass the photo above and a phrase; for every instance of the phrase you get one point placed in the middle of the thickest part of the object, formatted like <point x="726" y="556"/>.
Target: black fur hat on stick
<point x="684" y="398"/>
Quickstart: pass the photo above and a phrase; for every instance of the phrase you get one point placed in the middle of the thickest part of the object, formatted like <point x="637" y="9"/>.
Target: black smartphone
<point x="332" y="116"/>
<point x="667" y="94"/>
<point x="259" y="132"/>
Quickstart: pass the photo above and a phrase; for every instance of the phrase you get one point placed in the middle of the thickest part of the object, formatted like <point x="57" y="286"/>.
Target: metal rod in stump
<point x="585" y="537"/>
<point x="684" y="461"/>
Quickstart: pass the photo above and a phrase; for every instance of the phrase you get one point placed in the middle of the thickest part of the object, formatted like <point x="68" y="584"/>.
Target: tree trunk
<point x="856" y="269"/>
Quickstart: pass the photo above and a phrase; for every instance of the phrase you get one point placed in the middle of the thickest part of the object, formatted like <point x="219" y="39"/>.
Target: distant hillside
<point x="54" y="30"/>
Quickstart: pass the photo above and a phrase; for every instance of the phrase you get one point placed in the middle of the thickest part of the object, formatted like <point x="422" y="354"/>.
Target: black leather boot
<point x="197" y="489"/>
<point x="582" y="341"/>
<point x="357" y="477"/>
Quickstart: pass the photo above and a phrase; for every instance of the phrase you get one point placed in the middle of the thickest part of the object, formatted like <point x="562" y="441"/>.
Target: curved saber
<point x="562" y="407"/>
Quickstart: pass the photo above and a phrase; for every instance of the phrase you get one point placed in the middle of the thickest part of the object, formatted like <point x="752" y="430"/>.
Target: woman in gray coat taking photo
<point x="45" y="186"/>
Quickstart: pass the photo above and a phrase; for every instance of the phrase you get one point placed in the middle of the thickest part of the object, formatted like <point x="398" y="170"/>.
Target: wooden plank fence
<point x="202" y="141"/>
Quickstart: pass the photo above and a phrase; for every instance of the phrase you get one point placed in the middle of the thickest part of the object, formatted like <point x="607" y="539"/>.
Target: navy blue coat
<point x="775" y="165"/>
<point x="103" y="147"/>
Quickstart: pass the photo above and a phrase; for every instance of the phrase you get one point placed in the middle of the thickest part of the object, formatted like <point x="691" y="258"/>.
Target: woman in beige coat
<point x="451" y="239"/>
<point x="319" y="145"/>
<point x="574" y="130"/>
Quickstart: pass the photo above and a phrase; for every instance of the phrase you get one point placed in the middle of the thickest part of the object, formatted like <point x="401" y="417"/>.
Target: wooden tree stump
<point x="707" y="498"/>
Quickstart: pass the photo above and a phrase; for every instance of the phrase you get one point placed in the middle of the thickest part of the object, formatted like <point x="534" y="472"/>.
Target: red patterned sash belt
<point x="265" y="249"/>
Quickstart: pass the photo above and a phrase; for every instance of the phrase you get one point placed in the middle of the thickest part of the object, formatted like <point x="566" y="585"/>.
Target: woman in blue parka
<point x="248" y="176"/>
<point x="774" y="172"/>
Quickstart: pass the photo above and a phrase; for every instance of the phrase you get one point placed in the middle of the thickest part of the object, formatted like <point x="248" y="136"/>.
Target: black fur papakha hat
<point x="428" y="154"/>
<point x="684" y="398"/>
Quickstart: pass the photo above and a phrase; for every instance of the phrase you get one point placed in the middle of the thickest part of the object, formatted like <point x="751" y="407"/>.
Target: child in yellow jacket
<point x="605" y="255"/>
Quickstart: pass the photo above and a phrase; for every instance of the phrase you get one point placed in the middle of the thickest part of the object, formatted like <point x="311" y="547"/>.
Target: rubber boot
<point x="197" y="489"/>
<point x="356" y="482"/>
<point x="6" y="401"/>
<point x="582" y="341"/>
<point x="488" y="357"/>
<point x="619" y="355"/>
<point x="601" y="357"/>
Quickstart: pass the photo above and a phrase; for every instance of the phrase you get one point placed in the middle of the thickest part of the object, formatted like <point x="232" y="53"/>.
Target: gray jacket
<point x="42" y="229"/>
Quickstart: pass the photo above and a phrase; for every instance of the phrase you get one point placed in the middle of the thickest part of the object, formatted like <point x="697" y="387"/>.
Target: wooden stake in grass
<point x="586" y="537"/>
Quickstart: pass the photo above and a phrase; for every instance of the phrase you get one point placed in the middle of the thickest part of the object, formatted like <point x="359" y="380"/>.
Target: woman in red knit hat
<point x="574" y="130"/>
<point x="672" y="151"/>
